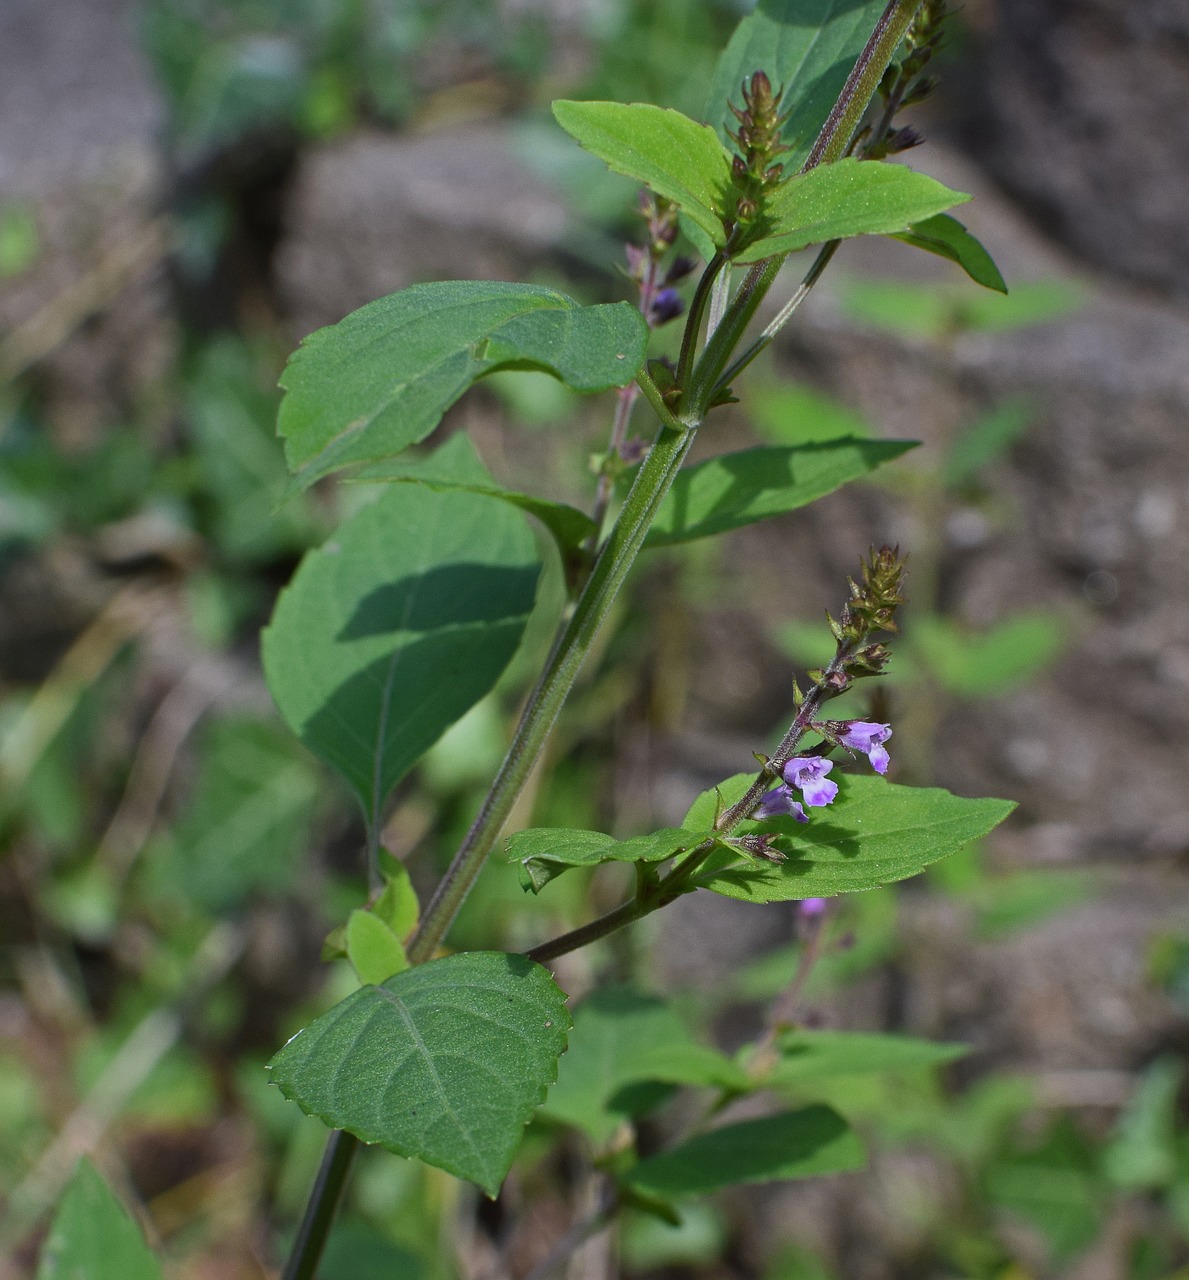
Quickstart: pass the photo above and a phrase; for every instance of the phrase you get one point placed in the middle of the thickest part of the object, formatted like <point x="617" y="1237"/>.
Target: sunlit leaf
<point x="543" y="853"/>
<point x="445" y="1062"/>
<point x="948" y="238"/>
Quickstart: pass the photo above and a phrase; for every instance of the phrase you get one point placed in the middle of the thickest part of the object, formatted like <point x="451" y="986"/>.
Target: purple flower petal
<point x="868" y="737"/>
<point x="779" y="803"/>
<point x="809" y="774"/>
<point x="812" y="906"/>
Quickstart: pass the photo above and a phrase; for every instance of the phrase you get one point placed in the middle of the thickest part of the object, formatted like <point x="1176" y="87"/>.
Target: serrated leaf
<point x="669" y="153"/>
<point x="737" y="489"/>
<point x="378" y="381"/>
<point x="810" y="1055"/>
<point x="374" y="950"/>
<point x="93" y="1237"/>
<point x="247" y="822"/>
<point x="794" y="1144"/>
<point x="622" y="1038"/>
<point x="807" y="49"/>
<point x="948" y="238"/>
<point x="396" y="626"/>
<point x="848" y="198"/>
<point x="874" y="833"/>
<point x="543" y="853"/>
<point x="445" y="1062"/>
<point x="456" y="468"/>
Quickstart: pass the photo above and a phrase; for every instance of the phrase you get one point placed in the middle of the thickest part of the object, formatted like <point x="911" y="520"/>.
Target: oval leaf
<point x="445" y="1062"/>
<point x="815" y="1055"/>
<point x="807" y="48"/>
<point x="380" y="380"/>
<point x="736" y="489"/>
<point x="874" y="833"/>
<point x="848" y="198"/>
<point x="795" y="1144"/>
<point x="543" y="853"/>
<point x="948" y="238"/>
<point x="93" y="1235"/>
<point x="671" y="154"/>
<point x="396" y="627"/>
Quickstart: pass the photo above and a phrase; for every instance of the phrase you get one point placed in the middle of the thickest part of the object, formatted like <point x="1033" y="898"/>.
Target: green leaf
<point x="671" y="154"/>
<point x="456" y="468"/>
<point x="247" y="824"/>
<point x="395" y="627"/>
<point x="874" y="833"/>
<point x="1143" y="1152"/>
<point x="986" y="439"/>
<point x="93" y="1237"/>
<point x="810" y="1055"/>
<point x="378" y="381"/>
<point x="849" y="198"/>
<point x="948" y="238"/>
<point x="984" y="665"/>
<point x="445" y="1062"/>
<point x="794" y="1144"/>
<point x="622" y="1038"/>
<point x="374" y="950"/>
<point x="397" y="904"/>
<point x="543" y="853"/>
<point x="807" y="48"/>
<point x="789" y="414"/>
<point x="736" y="489"/>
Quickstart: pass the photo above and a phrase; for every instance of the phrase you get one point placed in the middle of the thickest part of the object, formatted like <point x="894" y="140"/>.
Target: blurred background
<point x="187" y="187"/>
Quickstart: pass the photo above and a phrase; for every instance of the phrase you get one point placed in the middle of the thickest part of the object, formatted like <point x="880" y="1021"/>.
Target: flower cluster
<point x="807" y="774"/>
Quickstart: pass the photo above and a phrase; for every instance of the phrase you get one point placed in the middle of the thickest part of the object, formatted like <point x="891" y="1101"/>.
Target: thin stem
<point x="719" y="298"/>
<point x="322" y="1207"/>
<point x="611" y="568"/>
<point x="861" y="84"/>
<point x="624" y="400"/>
<point x="697" y="309"/>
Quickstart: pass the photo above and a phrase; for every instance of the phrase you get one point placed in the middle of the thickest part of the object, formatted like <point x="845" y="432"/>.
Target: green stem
<point x="322" y="1207"/>
<point x="697" y="309"/>
<point x="616" y="558"/>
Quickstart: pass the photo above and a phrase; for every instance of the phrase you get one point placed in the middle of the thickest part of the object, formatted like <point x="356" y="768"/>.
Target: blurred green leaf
<point x="696" y="1239"/>
<point x="795" y="1144"/>
<point x="848" y="198"/>
<point x="737" y="489"/>
<point x="786" y="413"/>
<point x="1142" y="1155"/>
<point x="20" y="241"/>
<point x="378" y="381"/>
<point x="247" y="824"/>
<point x="987" y="664"/>
<point x="93" y="1236"/>
<point x="874" y="833"/>
<point x="948" y="238"/>
<point x="397" y="904"/>
<point x="984" y="440"/>
<point x="622" y="1038"/>
<point x="676" y="157"/>
<point x="445" y="1062"/>
<point x="807" y="48"/>
<point x="808" y="1055"/>
<point x="931" y="312"/>
<point x="395" y="627"/>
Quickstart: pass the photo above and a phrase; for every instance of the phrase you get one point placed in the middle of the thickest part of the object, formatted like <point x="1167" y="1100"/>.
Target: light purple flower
<point x="812" y="906"/>
<point x="865" y="736"/>
<point x="809" y="773"/>
<point x="778" y="803"/>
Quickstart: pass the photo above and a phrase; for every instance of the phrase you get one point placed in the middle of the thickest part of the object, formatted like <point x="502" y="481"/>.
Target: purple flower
<point x="666" y="306"/>
<point x="778" y="803"/>
<point x="809" y="773"/>
<point x="812" y="906"/>
<point x="865" y="736"/>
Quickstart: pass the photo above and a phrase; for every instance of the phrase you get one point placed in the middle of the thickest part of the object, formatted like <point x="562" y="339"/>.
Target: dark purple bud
<point x="633" y="450"/>
<point x="679" y="268"/>
<point x="666" y="306"/>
